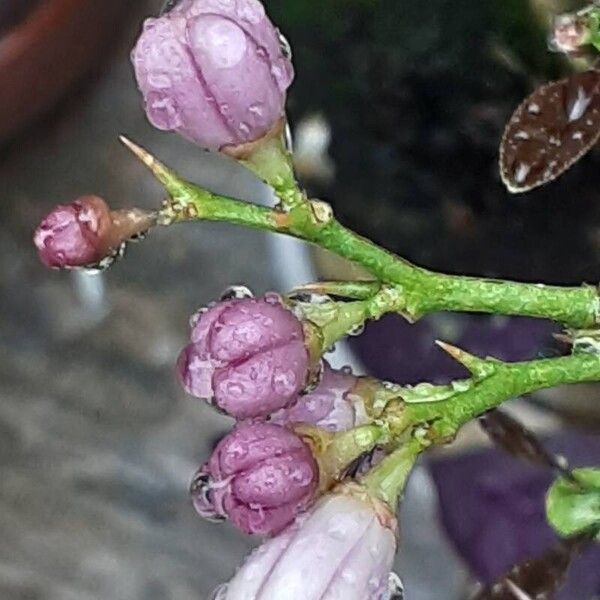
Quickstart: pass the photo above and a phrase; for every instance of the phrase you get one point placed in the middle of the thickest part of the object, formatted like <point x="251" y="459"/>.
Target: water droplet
<point x="272" y="298"/>
<point x="237" y="292"/>
<point x="256" y="109"/>
<point x="395" y="588"/>
<point x="244" y="128"/>
<point x="224" y="108"/>
<point x="200" y="489"/>
<point x="357" y="330"/>
<point x="195" y="318"/>
<point x="285" y="46"/>
<point x="346" y="370"/>
<point x="309" y="297"/>
<point x="235" y="389"/>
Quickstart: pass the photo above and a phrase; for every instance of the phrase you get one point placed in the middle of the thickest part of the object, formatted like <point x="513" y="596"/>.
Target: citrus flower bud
<point x="215" y="71"/>
<point x="85" y="232"/>
<point x="332" y="405"/>
<point x="247" y="356"/>
<point x="343" y="548"/>
<point x="260" y="476"/>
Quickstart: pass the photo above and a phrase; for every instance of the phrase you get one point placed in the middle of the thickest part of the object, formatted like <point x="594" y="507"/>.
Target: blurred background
<point x="397" y="112"/>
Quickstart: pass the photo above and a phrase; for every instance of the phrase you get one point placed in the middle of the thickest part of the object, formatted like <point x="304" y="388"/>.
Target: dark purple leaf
<point x="510" y="435"/>
<point x="492" y="508"/>
<point x="550" y="131"/>
<point x="539" y="578"/>
<point x="411" y="355"/>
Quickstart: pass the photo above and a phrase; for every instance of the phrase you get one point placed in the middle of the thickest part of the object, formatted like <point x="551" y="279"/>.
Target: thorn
<point x="167" y="177"/>
<point x="479" y="367"/>
<point x="351" y="290"/>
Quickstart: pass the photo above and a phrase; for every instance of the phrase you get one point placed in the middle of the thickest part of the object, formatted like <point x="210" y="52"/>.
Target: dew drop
<point x="237" y="292"/>
<point x="357" y="330"/>
<point x="395" y="589"/>
<point x="200" y="489"/>
<point x="309" y="297"/>
<point x="256" y="109"/>
<point x="272" y="298"/>
<point x="285" y="46"/>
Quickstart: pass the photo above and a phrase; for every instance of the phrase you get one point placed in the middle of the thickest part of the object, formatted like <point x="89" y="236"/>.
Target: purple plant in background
<point x="216" y="72"/>
<point x="507" y="338"/>
<point x="247" y="356"/>
<point x="260" y="476"/>
<point x="492" y="507"/>
<point x="343" y="548"/>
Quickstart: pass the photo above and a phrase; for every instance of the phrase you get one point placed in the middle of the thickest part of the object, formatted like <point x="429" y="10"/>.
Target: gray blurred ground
<point x="97" y="440"/>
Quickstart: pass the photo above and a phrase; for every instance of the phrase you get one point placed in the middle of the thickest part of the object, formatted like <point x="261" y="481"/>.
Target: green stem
<point x="272" y="162"/>
<point x="506" y="381"/>
<point x="421" y="291"/>
<point x="388" y="479"/>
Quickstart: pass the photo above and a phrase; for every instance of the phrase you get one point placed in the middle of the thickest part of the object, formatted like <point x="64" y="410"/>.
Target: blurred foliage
<point x="573" y="506"/>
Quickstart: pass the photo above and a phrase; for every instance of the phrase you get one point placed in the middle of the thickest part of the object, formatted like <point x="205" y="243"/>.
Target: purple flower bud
<point x="71" y="235"/>
<point x="214" y="71"/>
<point x="85" y="232"/>
<point x="248" y="356"/>
<point x="342" y="549"/>
<point x="260" y="476"/>
<point x="331" y="406"/>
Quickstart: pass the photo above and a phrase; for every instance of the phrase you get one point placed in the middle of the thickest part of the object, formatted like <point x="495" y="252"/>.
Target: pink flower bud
<point x="260" y="476"/>
<point x="85" y="232"/>
<point x="247" y="356"/>
<point x="343" y="548"/>
<point x="214" y="71"/>
<point x="331" y="405"/>
<point x="71" y="235"/>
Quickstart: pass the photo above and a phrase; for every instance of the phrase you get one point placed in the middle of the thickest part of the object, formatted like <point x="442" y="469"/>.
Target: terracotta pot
<point x="45" y="46"/>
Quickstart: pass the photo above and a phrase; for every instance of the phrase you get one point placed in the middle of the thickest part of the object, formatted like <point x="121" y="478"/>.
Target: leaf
<point x="536" y="579"/>
<point x="514" y="438"/>
<point x="550" y="131"/>
<point x="573" y="507"/>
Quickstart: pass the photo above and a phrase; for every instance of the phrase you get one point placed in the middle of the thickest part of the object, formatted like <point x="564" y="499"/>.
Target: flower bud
<point x="85" y="232"/>
<point x="247" y="356"/>
<point x="260" y="476"/>
<point x="344" y="548"/>
<point x="332" y="405"/>
<point x="215" y="71"/>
